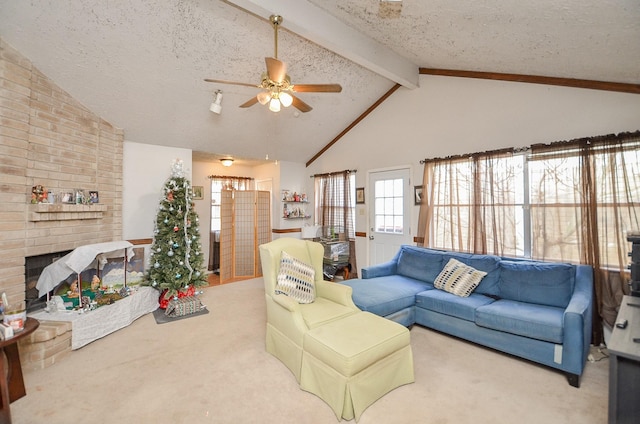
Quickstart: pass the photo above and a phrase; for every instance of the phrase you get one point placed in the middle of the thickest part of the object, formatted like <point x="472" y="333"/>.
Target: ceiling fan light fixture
<point x="285" y="99"/>
<point x="263" y="97"/>
<point x="274" y="105"/>
<point x="275" y="82"/>
<point x="216" y="106"/>
<point x="226" y="162"/>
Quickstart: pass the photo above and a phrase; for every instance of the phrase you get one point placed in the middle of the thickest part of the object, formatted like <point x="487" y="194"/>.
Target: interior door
<point x="389" y="213"/>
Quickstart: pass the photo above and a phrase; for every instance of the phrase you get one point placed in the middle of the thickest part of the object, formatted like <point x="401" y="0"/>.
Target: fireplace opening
<point x="34" y="265"/>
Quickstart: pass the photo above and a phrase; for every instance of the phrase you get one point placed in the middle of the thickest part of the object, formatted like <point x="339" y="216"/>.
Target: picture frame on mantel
<point x="359" y="195"/>
<point x="94" y="197"/>
<point x="67" y="197"/>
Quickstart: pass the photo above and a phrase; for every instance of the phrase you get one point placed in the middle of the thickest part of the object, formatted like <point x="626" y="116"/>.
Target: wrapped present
<point x="183" y="306"/>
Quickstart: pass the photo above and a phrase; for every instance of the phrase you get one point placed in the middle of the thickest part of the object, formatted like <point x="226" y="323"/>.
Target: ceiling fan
<point x="276" y="84"/>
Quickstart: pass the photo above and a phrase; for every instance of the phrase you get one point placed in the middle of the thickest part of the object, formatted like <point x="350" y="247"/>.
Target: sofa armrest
<point x="380" y="270"/>
<point x="578" y="318"/>
<point x="286" y="302"/>
<point x="338" y="293"/>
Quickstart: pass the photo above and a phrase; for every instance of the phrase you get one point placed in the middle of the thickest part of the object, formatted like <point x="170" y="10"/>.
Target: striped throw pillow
<point x="296" y="279"/>
<point x="458" y="278"/>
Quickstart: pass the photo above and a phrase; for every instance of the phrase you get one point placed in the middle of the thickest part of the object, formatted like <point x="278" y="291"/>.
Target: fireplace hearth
<point x="34" y="265"/>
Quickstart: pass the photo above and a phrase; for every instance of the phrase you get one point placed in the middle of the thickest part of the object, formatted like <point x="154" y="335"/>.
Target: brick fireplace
<point x="48" y="138"/>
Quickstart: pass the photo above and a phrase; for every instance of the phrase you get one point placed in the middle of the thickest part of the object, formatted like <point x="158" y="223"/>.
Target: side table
<point x="624" y="365"/>
<point x="11" y="380"/>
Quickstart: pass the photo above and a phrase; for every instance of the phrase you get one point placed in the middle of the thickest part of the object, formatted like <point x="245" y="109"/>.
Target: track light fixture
<point x="216" y="106"/>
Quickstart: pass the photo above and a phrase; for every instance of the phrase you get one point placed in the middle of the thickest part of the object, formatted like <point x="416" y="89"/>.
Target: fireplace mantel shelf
<point x="64" y="212"/>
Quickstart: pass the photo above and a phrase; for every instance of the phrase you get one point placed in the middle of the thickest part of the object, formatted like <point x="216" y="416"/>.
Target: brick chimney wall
<point x="48" y="138"/>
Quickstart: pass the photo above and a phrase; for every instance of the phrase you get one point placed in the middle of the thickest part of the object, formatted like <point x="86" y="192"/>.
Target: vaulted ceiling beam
<point x="314" y="24"/>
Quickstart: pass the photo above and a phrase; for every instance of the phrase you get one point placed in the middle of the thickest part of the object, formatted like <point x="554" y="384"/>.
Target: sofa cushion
<point x="487" y="263"/>
<point x="385" y="295"/>
<point x="543" y="283"/>
<point x="458" y="278"/>
<point x="419" y="263"/>
<point x="450" y="304"/>
<point x="296" y="279"/>
<point x="538" y="322"/>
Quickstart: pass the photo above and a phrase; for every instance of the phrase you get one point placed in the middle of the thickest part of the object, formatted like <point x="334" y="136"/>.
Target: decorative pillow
<point x="458" y="278"/>
<point x="296" y="279"/>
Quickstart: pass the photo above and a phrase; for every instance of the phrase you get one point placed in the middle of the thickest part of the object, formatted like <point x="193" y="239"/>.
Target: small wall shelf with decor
<point x="294" y="205"/>
<point x="295" y="210"/>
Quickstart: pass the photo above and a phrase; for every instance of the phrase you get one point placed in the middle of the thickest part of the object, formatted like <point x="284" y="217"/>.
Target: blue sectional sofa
<point x="540" y="311"/>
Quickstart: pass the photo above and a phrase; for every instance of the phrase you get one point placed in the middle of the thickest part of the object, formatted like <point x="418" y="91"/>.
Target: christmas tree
<point x="175" y="267"/>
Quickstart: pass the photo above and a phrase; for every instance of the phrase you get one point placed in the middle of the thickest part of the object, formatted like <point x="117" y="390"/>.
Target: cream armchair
<point x="288" y="320"/>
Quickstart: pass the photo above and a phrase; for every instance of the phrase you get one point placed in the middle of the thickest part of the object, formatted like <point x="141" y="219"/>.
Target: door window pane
<point x="389" y="200"/>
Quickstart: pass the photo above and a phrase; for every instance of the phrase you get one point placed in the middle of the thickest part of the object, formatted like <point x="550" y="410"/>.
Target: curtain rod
<point x="227" y="177"/>
<point x="470" y="155"/>
<point x="347" y="171"/>
<point x="620" y="137"/>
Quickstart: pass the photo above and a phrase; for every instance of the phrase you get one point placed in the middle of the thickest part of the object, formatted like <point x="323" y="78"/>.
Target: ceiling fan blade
<point x="300" y="105"/>
<point x="317" y="88"/>
<point x="252" y="101"/>
<point x="231" y="82"/>
<point x="276" y="69"/>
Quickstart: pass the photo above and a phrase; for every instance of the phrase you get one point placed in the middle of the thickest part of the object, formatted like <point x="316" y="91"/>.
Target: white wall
<point x="145" y="170"/>
<point x="448" y="116"/>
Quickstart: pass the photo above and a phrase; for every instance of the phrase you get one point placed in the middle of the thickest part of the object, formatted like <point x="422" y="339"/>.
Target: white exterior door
<point x="389" y="214"/>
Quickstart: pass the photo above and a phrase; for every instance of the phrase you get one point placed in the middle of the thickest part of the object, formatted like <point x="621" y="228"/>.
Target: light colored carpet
<point x="213" y="368"/>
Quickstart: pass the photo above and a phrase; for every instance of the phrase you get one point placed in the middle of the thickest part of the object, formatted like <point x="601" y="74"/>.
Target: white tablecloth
<point x="92" y="325"/>
<point x="78" y="260"/>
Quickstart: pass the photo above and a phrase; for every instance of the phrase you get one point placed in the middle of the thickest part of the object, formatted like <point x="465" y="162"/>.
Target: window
<point x="335" y="204"/>
<point x="477" y="203"/>
<point x="224" y="183"/>
<point x="600" y="180"/>
<point x="537" y="204"/>
<point x="389" y="206"/>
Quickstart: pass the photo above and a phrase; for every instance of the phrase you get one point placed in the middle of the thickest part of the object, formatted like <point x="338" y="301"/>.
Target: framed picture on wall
<point x="198" y="192"/>
<point x="360" y="195"/>
<point x="417" y="195"/>
<point x="94" y="197"/>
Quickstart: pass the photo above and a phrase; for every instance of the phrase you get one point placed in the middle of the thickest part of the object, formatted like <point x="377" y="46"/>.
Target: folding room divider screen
<point x="245" y="223"/>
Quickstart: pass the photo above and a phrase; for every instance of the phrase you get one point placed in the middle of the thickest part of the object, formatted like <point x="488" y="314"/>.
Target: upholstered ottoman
<point x="354" y="361"/>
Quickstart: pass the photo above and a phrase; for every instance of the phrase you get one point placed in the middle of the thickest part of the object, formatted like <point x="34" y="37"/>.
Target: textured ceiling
<point x="140" y="64"/>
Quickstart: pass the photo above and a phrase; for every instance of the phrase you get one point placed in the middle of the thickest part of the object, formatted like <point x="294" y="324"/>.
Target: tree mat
<point x="161" y="318"/>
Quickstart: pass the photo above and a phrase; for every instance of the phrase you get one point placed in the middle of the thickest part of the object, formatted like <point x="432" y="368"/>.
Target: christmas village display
<point x="176" y="264"/>
<point x="91" y="276"/>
